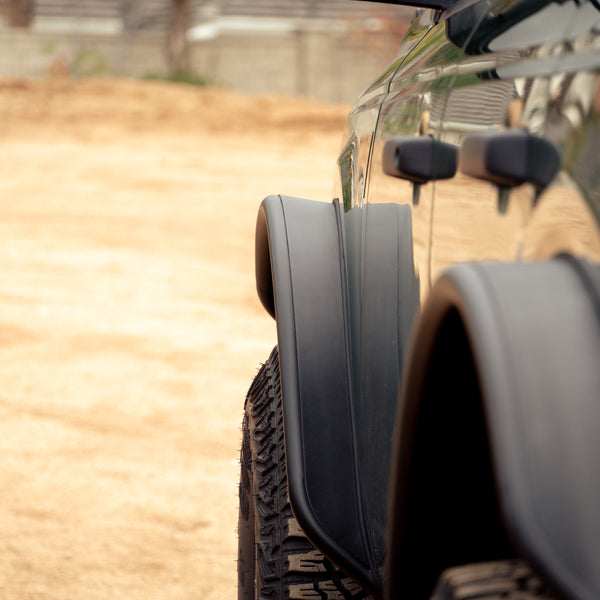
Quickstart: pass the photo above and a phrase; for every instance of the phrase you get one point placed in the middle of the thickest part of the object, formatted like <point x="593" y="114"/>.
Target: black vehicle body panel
<point x="499" y="378"/>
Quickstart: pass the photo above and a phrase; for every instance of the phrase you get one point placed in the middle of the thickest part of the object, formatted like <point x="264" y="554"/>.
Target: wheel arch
<point x="502" y="373"/>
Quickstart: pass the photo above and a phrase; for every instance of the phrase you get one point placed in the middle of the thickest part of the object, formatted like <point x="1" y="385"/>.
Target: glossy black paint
<point x="477" y="25"/>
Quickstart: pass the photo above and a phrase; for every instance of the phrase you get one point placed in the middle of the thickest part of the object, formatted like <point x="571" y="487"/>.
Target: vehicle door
<point x="527" y="72"/>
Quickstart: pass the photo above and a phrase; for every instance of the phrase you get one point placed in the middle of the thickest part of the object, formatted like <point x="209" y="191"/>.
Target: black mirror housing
<point x="435" y="4"/>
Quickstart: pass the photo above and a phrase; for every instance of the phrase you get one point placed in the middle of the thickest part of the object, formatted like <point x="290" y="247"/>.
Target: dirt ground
<point x="130" y="328"/>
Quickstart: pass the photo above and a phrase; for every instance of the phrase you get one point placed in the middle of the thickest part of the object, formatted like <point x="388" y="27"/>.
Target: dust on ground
<point x="130" y="328"/>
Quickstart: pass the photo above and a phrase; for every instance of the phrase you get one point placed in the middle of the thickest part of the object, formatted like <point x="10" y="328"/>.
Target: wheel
<point x="507" y="579"/>
<point x="275" y="559"/>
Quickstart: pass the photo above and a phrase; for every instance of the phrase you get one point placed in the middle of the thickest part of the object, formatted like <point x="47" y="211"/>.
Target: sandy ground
<point x="130" y="328"/>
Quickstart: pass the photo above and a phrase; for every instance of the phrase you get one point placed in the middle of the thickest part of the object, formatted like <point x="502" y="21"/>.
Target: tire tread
<point x="287" y="564"/>
<point x="506" y="580"/>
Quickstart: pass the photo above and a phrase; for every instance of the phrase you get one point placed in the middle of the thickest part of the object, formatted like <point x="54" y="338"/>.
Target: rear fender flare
<point x="529" y="335"/>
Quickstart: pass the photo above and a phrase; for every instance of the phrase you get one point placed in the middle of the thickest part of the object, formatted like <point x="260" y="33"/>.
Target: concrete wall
<point x="331" y="65"/>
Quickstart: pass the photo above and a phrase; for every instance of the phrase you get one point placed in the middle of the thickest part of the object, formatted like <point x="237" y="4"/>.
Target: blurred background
<point x="323" y="49"/>
<point x="137" y="140"/>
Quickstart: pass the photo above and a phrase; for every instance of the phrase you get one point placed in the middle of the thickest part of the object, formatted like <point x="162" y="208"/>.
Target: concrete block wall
<point x="332" y="65"/>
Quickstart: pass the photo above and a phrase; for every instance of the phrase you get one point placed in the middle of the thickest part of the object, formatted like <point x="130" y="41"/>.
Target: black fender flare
<point x="508" y="357"/>
<point x="301" y="276"/>
<point x="300" y="281"/>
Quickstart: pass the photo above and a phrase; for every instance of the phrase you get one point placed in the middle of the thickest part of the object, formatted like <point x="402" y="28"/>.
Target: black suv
<point x="428" y="425"/>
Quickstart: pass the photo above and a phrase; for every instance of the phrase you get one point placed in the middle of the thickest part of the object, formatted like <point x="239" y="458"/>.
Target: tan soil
<point x="130" y="328"/>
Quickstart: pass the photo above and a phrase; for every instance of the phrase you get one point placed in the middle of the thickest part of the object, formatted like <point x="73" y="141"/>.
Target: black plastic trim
<point x="419" y="159"/>
<point x="509" y="158"/>
<point x="532" y="332"/>
<point x="436" y="4"/>
<point x="340" y="368"/>
<point x="302" y="242"/>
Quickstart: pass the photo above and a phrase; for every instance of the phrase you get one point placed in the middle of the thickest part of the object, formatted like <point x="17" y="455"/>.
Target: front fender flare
<point x="300" y="281"/>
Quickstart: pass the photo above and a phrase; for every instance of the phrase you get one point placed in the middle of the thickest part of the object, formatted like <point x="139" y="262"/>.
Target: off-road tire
<point x="506" y="580"/>
<point x="275" y="559"/>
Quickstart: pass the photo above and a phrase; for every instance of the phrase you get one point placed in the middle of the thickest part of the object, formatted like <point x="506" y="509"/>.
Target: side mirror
<point x="419" y="159"/>
<point x="437" y="4"/>
<point x="509" y="158"/>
